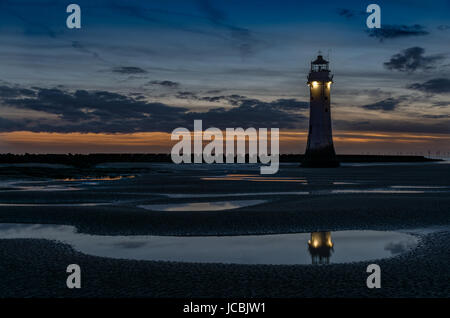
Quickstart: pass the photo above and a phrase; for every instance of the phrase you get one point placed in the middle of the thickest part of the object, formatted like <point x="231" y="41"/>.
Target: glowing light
<point x="329" y="84"/>
<point x="315" y="84"/>
<point x="329" y="243"/>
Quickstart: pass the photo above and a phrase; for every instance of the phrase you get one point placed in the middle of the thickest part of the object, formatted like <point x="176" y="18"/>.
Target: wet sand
<point x="403" y="197"/>
<point x="31" y="268"/>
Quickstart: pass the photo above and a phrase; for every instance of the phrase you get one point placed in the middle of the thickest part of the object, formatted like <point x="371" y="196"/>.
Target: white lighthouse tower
<point x="320" y="149"/>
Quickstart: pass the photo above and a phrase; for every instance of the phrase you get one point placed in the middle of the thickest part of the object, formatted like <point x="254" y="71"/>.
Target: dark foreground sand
<point x="31" y="268"/>
<point x="36" y="268"/>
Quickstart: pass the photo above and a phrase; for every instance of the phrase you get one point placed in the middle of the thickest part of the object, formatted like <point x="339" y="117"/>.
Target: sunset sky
<point x="136" y="70"/>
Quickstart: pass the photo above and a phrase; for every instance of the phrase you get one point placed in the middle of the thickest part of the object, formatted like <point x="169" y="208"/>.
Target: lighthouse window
<point x="326" y="98"/>
<point x="326" y="110"/>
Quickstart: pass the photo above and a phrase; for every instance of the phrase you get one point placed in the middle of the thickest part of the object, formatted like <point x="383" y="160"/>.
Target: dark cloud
<point x="11" y="125"/>
<point x="215" y="15"/>
<point x="441" y="104"/>
<point x="256" y="115"/>
<point x="241" y="38"/>
<point x="214" y="91"/>
<point x="6" y="91"/>
<point x="397" y="31"/>
<point x="32" y="25"/>
<point x="82" y="48"/>
<point x="442" y="116"/>
<point x="349" y="13"/>
<point x="415" y="125"/>
<point x="388" y="104"/>
<point x="412" y="59"/>
<point x="169" y="84"/>
<point x="103" y="111"/>
<point x="87" y="107"/>
<point x="128" y="70"/>
<point x="240" y="100"/>
<point x="346" y="13"/>
<point x="287" y="104"/>
<point x="233" y="99"/>
<point x="186" y="95"/>
<point x="434" y="86"/>
<point x="109" y="112"/>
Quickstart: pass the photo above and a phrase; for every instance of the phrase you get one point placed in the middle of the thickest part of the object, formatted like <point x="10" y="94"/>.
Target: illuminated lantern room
<point x="319" y="64"/>
<point x="320" y="73"/>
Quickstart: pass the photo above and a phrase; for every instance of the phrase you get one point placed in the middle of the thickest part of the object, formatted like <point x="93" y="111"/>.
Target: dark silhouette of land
<point x="89" y="160"/>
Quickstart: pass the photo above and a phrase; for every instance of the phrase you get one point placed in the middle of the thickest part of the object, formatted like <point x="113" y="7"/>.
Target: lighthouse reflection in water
<point x="320" y="247"/>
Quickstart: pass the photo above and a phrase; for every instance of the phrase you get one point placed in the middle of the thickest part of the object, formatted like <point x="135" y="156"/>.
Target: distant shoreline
<point x="89" y="160"/>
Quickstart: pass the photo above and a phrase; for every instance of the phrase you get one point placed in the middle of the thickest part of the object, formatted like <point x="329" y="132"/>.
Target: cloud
<point x="32" y="26"/>
<point x="11" y="125"/>
<point x="443" y="27"/>
<point x="242" y="38"/>
<point x="129" y="70"/>
<point x="110" y="112"/>
<point x="291" y="104"/>
<point x="186" y="95"/>
<point x="90" y="107"/>
<point x="441" y="104"/>
<point x="415" y="125"/>
<point x="349" y="13"/>
<point x="256" y="115"/>
<point x="82" y="48"/>
<point x="397" y="31"/>
<point x="412" y="59"/>
<point x="388" y="104"/>
<point x="346" y="13"/>
<point x="286" y="104"/>
<point x="168" y="84"/>
<point x="434" y="86"/>
<point x="6" y="91"/>
<point x="437" y="116"/>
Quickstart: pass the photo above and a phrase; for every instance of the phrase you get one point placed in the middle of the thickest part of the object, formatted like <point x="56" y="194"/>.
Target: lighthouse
<point x="320" y="149"/>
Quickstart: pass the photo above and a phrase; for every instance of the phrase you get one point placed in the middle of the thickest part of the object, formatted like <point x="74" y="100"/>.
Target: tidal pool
<point x="201" y="206"/>
<point x="275" y="249"/>
<point x="56" y="204"/>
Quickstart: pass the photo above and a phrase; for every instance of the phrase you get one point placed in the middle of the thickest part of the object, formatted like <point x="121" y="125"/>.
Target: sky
<point x="138" y="69"/>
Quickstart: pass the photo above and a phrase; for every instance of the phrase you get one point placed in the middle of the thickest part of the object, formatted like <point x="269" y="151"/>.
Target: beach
<point x="159" y="201"/>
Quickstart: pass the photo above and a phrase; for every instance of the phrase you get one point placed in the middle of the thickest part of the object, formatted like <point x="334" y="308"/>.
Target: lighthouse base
<point x="320" y="158"/>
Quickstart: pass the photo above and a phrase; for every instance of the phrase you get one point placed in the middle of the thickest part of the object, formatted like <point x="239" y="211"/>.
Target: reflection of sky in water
<point x="343" y="191"/>
<point x="68" y="184"/>
<point x="29" y="185"/>
<point x="390" y="190"/>
<point x="417" y="187"/>
<point x="218" y="195"/>
<point x="349" y="246"/>
<point x="56" y="204"/>
<point x="105" y="178"/>
<point x="254" y="177"/>
<point x="201" y="206"/>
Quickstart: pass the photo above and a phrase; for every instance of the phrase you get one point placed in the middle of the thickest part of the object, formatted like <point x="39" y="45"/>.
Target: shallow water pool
<point x="276" y="249"/>
<point x="202" y="206"/>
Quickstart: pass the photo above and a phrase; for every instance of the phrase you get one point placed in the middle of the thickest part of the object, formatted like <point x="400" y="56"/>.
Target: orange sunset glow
<point x="160" y="142"/>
